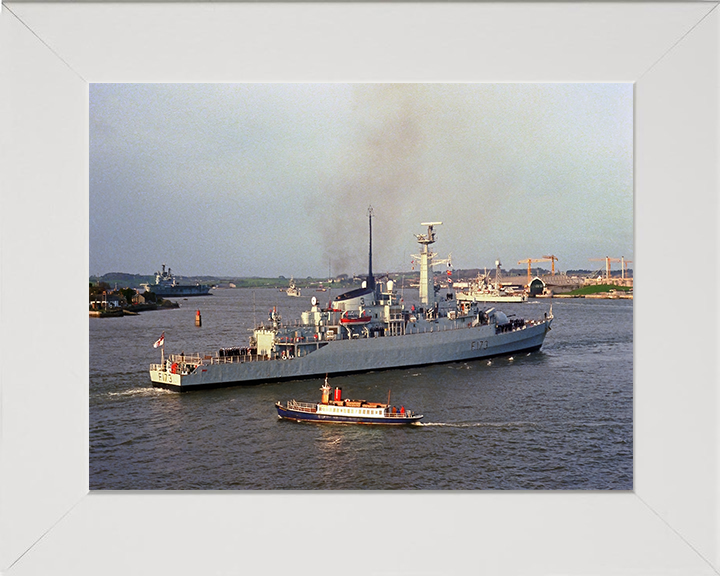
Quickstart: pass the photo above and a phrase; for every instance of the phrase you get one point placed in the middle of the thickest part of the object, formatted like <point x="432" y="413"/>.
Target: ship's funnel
<point x="325" y="392"/>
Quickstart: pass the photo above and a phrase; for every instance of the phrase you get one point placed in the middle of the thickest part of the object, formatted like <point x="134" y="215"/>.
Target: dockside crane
<point x="624" y="267"/>
<point x="553" y="258"/>
<point x="529" y="262"/>
<point x="608" y="260"/>
<point x="607" y="265"/>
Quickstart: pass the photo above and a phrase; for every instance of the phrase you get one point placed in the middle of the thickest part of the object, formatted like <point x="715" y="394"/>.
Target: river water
<point x="558" y="419"/>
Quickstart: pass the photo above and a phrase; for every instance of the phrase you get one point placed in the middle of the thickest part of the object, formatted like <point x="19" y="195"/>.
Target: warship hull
<point x="179" y="290"/>
<point x="365" y="329"/>
<point x="453" y="344"/>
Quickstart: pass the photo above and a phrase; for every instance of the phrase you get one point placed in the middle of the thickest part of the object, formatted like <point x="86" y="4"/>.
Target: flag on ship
<point x="160" y="341"/>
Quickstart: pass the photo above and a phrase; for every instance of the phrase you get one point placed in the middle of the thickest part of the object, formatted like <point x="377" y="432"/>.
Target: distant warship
<point x="166" y="285"/>
<point x="368" y="328"/>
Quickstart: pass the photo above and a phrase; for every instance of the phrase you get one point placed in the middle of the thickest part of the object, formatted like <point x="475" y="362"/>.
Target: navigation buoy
<point x="198" y="319"/>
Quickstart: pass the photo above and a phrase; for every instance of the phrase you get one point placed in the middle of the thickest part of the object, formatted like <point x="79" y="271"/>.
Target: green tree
<point x="99" y="288"/>
<point x="128" y="294"/>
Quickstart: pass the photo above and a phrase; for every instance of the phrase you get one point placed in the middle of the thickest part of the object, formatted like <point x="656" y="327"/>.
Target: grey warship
<point x="365" y="329"/>
<point x="167" y="285"/>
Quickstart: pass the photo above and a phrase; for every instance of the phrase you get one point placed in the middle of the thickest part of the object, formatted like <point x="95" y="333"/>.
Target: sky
<point x="270" y="180"/>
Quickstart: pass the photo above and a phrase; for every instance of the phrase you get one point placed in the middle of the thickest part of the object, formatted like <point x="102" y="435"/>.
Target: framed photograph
<point x="51" y="55"/>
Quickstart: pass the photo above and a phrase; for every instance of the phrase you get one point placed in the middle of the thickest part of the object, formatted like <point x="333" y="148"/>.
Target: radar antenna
<point x="427" y="259"/>
<point x="370" y="278"/>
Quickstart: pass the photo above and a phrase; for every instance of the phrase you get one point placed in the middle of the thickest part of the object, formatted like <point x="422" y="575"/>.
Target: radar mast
<point x="370" y="278"/>
<point x="427" y="259"/>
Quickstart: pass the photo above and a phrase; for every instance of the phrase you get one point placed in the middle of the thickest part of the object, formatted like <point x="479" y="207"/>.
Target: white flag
<point x="160" y="341"/>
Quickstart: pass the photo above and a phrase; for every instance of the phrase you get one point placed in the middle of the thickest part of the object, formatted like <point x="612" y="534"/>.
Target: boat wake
<point x="146" y="391"/>
<point x="477" y="424"/>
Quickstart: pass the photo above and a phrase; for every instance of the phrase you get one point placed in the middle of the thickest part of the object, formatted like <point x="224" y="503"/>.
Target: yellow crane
<point x="529" y="262"/>
<point x="553" y="258"/>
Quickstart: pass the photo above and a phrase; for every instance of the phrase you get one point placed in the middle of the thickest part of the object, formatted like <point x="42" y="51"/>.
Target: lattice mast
<point x="370" y="277"/>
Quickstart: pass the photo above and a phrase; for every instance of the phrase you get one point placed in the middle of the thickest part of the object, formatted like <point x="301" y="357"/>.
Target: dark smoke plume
<point x="382" y="168"/>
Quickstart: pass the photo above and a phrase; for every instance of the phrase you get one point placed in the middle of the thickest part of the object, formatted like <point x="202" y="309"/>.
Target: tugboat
<point x="384" y="335"/>
<point x="344" y="411"/>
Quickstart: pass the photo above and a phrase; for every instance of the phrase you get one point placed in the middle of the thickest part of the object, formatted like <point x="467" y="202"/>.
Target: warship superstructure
<point x="369" y="328"/>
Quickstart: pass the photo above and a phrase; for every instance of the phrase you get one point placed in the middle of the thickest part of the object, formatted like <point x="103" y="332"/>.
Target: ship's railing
<point x="301" y="406"/>
<point x="513" y="326"/>
<point x="236" y="359"/>
<point x="186" y="358"/>
<point x="195" y="360"/>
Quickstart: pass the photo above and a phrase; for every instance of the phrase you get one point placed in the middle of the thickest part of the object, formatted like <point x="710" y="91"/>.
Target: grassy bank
<point x="598" y="288"/>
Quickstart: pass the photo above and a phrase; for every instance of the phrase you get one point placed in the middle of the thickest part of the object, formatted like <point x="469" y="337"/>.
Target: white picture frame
<point x="50" y="523"/>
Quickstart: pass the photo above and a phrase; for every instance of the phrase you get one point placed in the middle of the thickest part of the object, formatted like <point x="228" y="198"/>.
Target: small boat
<point x="352" y="317"/>
<point x="345" y="411"/>
<point x="293" y="290"/>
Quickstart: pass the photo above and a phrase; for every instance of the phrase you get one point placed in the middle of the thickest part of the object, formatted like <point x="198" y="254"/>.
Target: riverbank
<point x="132" y="309"/>
<point x="599" y="295"/>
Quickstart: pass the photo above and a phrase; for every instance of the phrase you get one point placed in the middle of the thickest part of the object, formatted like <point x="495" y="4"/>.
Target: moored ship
<point x="365" y="329"/>
<point x="341" y="410"/>
<point x="292" y="290"/>
<point x="483" y="290"/>
<point x="167" y="285"/>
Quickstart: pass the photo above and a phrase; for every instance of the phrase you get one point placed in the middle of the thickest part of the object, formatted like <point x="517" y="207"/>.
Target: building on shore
<point x="554" y="284"/>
